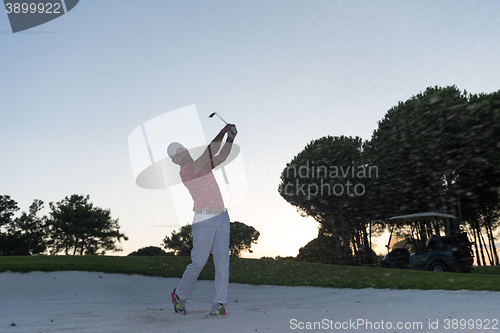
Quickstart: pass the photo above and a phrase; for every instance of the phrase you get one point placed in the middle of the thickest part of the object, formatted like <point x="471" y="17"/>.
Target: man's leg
<point x="203" y="235"/>
<point x="220" y="251"/>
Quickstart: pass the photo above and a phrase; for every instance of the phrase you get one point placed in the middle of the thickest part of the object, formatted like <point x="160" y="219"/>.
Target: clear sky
<point x="285" y="72"/>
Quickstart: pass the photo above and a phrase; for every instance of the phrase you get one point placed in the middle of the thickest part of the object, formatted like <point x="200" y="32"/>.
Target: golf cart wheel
<point x="383" y="265"/>
<point x="439" y="267"/>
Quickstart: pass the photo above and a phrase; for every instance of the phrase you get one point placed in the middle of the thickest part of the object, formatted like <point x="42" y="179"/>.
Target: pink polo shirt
<point x="203" y="187"/>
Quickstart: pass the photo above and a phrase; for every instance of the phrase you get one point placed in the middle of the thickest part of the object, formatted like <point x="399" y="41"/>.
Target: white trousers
<point x="209" y="235"/>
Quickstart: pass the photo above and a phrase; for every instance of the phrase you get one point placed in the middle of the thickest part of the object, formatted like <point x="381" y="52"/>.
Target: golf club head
<point x="215" y="113"/>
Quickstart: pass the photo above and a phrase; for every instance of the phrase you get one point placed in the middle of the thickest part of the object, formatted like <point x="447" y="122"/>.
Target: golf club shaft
<point x="220" y="118"/>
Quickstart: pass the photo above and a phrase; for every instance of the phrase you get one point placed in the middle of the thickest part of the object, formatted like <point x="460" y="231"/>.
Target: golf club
<point x="215" y="113"/>
<point x="233" y="129"/>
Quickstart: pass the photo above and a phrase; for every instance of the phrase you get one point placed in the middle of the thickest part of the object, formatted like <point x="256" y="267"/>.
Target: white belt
<point x="211" y="212"/>
<point x="205" y="214"/>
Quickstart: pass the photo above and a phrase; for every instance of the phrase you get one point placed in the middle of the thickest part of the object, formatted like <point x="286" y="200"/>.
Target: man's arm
<point x="209" y="155"/>
<point x="224" y="153"/>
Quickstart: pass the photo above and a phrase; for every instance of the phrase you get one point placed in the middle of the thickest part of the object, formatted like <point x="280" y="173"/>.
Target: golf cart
<point x="439" y="253"/>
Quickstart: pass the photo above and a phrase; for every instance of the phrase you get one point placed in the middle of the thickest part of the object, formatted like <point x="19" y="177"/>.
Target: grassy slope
<point x="255" y="271"/>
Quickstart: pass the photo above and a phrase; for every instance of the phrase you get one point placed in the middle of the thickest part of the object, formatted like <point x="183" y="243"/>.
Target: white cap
<point x="172" y="148"/>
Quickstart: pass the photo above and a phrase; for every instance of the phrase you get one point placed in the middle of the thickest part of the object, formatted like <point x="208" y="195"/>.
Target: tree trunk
<point x="355" y="248"/>
<point x="346" y="248"/>
<point x="486" y="249"/>
<point x="370" y="236"/>
<point x="367" y="245"/>
<point x="452" y="204"/>
<point x="489" y="230"/>
<point x="474" y="232"/>
<point x="337" y="238"/>
<point x="480" y="242"/>
<point x="358" y="236"/>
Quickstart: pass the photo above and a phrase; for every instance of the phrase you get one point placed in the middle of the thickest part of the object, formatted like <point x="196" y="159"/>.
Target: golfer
<point x="210" y="227"/>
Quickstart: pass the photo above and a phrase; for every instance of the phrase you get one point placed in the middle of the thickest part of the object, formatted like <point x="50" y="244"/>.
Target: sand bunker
<point x="97" y="302"/>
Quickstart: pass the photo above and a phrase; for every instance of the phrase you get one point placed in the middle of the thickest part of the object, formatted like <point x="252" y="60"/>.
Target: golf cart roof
<point x="423" y="217"/>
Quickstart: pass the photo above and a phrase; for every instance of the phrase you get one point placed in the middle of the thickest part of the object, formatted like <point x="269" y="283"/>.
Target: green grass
<point x="272" y="272"/>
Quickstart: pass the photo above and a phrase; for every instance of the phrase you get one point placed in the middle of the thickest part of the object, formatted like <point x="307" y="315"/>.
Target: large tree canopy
<point x="431" y="145"/>
<point x="181" y="242"/>
<point x="241" y="238"/>
<point x="77" y="227"/>
<point x="331" y="181"/>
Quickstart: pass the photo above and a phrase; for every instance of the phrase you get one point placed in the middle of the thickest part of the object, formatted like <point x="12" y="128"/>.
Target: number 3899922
<point x="32" y="8"/>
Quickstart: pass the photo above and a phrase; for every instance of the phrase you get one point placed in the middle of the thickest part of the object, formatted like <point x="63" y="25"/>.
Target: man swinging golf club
<point x="210" y="227"/>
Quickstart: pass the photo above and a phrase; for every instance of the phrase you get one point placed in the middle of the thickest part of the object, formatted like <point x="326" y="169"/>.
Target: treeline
<point x="438" y="151"/>
<point x="73" y="226"/>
